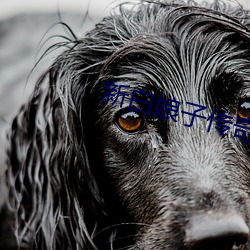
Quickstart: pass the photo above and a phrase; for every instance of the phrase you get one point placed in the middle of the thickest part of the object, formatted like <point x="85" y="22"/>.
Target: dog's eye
<point x="244" y="108"/>
<point x="130" y="122"/>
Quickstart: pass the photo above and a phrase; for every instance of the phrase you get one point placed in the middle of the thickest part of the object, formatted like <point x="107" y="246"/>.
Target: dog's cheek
<point x="130" y="171"/>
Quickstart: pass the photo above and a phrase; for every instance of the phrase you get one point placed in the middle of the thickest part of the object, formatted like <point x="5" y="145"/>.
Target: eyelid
<point x="244" y="95"/>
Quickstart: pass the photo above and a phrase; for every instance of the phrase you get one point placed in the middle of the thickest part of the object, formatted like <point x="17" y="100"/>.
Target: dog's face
<point x="85" y="174"/>
<point x="184" y="186"/>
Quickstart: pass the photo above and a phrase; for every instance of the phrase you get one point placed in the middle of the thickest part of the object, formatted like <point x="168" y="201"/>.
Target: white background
<point x="96" y="7"/>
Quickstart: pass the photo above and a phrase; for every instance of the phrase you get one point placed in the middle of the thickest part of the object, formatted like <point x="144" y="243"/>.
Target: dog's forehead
<point x="186" y="71"/>
<point x="183" y="59"/>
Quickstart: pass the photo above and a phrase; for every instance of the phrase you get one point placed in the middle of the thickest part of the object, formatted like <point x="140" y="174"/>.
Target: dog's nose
<point x="217" y="232"/>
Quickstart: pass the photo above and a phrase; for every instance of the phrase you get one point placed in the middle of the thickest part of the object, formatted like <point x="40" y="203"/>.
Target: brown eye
<point x="130" y="122"/>
<point x="244" y="108"/>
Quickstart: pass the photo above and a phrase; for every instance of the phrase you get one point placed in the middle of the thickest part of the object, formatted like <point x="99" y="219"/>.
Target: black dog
<point x="83" y="174"/>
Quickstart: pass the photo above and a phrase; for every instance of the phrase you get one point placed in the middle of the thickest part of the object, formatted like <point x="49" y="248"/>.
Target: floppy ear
<point x="52" y="191"/>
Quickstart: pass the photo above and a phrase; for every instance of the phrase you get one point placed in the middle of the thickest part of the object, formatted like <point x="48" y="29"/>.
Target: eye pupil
<point x="130" y="122"/>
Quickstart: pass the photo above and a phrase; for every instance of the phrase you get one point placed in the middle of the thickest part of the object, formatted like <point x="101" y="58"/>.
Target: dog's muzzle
<point x="217" y="232"/>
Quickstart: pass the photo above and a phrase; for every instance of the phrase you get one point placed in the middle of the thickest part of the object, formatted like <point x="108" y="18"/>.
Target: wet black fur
<point x="76" y="181"/>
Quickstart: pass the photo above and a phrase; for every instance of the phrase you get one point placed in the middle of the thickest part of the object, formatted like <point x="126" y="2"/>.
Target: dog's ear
<point x="52" y="191"/>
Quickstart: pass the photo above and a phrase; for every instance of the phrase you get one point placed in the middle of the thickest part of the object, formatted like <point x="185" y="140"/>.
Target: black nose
<point x="217" y="232"/>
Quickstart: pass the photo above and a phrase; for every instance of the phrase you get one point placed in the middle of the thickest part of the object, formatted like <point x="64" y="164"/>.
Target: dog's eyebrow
<point x="138" y="81"/>
<point x="224" y="89"/>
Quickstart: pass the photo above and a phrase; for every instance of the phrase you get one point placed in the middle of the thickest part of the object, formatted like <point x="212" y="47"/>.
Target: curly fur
<point x="75" y="181"/>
